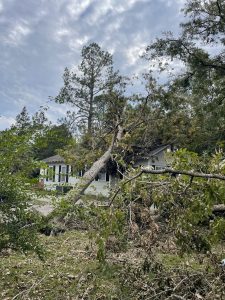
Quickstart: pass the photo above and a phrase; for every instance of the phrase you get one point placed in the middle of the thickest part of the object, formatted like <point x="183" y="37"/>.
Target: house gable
<point x="157" y="158"/>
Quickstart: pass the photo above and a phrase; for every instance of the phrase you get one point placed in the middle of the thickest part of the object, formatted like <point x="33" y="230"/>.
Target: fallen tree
<point x="89" y="175"/>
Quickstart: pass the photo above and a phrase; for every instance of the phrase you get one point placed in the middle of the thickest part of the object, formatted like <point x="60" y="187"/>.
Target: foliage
<point x="19" y="225"/>
<point x="186" y="203"/>
<point x="53" y="139"/>
<point x="46" y="138"/>
<point x="105" y="226"/>
<point x="194" y="94"/>
<point x="93" y="78"/>
<point x="26" y="124"/>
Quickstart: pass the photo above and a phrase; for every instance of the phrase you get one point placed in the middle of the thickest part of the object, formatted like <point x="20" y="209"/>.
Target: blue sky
<point x="39" y="38"/>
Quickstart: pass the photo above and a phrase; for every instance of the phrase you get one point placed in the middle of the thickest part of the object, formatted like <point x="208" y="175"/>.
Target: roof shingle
<point x="54" y="159"/>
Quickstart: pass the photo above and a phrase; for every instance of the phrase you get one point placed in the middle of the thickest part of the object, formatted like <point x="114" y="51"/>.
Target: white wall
<point x="95" y="188"/>
<point x="160" y="160"/>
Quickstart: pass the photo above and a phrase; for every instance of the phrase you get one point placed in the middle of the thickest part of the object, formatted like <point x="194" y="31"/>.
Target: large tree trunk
<point x="75" y="194"/>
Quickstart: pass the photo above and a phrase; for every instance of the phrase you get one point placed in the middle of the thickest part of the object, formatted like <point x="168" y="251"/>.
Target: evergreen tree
<point x="197" y="94"/>
<point x="23" y="121"/>
<point x="80" y="89"/>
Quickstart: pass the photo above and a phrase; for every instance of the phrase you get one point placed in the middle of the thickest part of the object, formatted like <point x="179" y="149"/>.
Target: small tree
<point x="18" y="224"/>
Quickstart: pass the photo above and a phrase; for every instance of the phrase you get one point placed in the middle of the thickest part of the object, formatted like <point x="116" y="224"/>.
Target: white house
<point x="59" y="174"/>
<point x="157" y="158"/>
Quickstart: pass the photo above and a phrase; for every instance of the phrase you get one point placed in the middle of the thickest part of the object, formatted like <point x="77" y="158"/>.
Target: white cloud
<point x="111" y="28"/>
<point x="181" y="1"/>
<point x="1" y="6"/>
<point x="17" y="33"/>
<point x="181" y="4"/>
<point x="6" y="122"/>
<point x="134" y="53"/>
<point x="100" y="9"/>
<point x="57" y="111"/>
<point x="33" y="64"/>
<point x="114" y="7"/>
<point x="121" y="7"/>
<point x="76" y="43"/>
<point x="77" y="7"/>
<point x="61" y="33"/>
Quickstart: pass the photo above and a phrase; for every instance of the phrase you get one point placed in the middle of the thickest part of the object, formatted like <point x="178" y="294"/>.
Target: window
<point x="107" y="176"/>
<point x="81" y="173"/>
<point x="101" y="176"/>
<point x="51" y="173"/>
<point x="63" y="174"/>
<point x="158" y="168"/>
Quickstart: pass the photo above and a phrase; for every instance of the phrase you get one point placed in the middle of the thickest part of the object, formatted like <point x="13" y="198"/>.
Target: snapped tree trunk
<point x="89" y="176"/>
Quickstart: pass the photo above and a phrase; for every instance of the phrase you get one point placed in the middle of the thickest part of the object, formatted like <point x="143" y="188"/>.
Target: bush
<point x="18" y="224"/>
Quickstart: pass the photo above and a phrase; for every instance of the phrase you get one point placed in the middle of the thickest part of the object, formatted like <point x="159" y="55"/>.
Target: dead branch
<point x="181" y="172"/>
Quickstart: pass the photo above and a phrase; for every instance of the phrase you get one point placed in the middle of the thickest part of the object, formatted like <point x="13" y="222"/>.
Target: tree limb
<point x="182" y="172"/>
<point x="169" y="171"/>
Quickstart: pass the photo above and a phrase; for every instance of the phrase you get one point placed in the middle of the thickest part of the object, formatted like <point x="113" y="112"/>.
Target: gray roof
<point x="54" y="159"/>
<point x="153" y="152"/>
<point x="158" y="150"/>
<point x="59" y="159"/>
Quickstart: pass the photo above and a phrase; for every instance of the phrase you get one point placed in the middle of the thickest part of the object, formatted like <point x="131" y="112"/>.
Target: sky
<point x="39" y="38"/>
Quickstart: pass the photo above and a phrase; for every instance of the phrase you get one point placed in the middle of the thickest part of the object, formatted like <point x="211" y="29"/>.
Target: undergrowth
<point x="71" y="271"/>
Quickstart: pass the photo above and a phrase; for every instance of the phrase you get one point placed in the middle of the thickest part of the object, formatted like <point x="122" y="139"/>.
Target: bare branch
<point x="183" y="172"/>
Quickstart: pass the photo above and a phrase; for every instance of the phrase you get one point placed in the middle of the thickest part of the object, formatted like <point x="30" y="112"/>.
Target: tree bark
<point x="89" y="176"/>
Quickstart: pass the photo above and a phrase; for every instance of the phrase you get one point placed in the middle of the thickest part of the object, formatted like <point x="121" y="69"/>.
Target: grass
<point x="71" y="271"/>
<point x="186" y="261"/>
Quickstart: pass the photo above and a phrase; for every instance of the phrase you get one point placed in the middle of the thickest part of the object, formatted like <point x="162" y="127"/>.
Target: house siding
<point x="158" y="158"/>
<point x="95" y="188"/>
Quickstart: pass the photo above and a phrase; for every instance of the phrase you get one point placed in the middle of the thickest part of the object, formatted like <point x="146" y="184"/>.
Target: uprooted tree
<point x="187" y="197"/>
